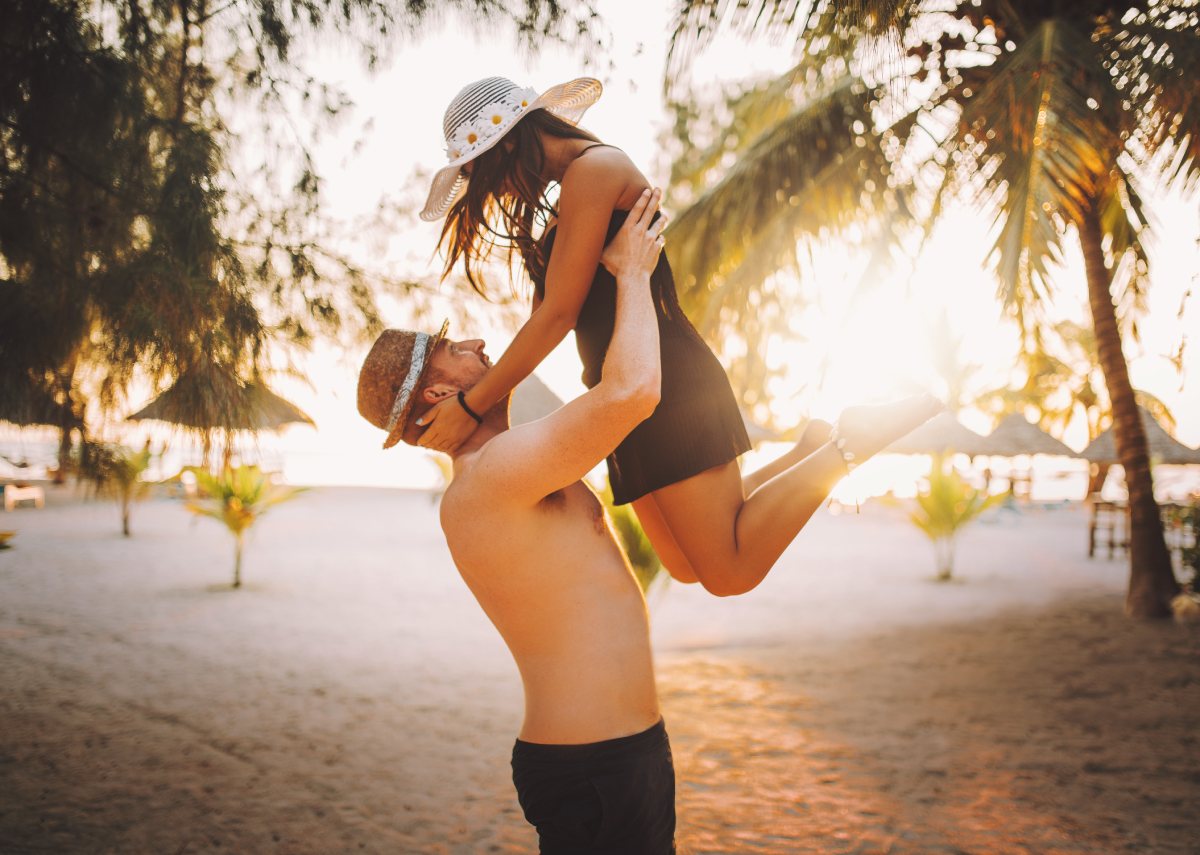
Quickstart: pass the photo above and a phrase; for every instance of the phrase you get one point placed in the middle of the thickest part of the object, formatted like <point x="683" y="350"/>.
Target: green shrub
<point x="944" y="508"/>
<point x="237" y="498"/>
<point x="116" y="471"/>
<point x="642" y="557"/>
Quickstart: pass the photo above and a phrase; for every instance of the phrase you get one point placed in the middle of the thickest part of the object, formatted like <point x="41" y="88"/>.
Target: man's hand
<point x="449" y="425"/>
<point x="634" y="251"/>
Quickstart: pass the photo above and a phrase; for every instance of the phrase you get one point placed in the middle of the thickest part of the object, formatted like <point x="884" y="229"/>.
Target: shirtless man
<point x="592" y="765"/>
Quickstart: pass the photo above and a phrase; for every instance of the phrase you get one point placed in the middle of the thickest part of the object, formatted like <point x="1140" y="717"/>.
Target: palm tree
<point x="1050" y="116"/>
<point x="116" y="471"/>
<point x="947" y="506"/>
<point x="238" y="498"/>
<point x="954" y="372"/>
<point x="1063" y="381"/>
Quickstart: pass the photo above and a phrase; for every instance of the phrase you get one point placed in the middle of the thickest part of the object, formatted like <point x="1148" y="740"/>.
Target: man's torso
<point x="555" y="584"/>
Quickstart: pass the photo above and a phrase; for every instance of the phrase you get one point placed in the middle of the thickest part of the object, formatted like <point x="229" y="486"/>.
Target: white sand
<point x="353" y="697"/>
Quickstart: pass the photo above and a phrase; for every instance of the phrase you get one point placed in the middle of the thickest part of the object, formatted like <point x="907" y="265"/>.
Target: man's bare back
<point x="552" y="579"/>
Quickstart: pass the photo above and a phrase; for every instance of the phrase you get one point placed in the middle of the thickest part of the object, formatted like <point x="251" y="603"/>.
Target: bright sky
<point x="872" y="349"/>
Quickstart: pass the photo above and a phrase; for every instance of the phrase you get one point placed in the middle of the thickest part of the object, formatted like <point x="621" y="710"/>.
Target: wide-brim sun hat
<point x="390" y="376"/>
<point x="482" y="113"/>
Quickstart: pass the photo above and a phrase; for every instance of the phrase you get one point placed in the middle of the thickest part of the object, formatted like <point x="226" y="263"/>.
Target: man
<point x="592" y="764"/>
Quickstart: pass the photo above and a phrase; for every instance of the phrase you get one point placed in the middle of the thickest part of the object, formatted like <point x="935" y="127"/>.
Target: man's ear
<point x="438" y="392"/>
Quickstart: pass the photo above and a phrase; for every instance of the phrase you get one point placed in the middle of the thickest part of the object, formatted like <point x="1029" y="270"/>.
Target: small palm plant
<point x="945" y="508"/>
<point x="116" y="471"/>
<point x="237" y="498"/>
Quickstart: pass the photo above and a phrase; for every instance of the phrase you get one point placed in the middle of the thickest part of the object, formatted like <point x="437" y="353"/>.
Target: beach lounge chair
<point x="14" y="494"/>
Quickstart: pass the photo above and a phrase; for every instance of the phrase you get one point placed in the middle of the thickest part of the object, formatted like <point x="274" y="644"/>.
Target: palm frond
<point x="1124" y="218"/>
<point x="1039" y="135"/>
<point x="820" y="27"/>
<point x="742" y="119"/>
<point x="806" y="177"/>
<point x="1154" y="55"/>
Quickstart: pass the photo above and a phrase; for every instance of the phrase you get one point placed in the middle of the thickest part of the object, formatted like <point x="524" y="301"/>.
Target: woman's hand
<point x="635" y="248"/>
<point x="449" y="425"/>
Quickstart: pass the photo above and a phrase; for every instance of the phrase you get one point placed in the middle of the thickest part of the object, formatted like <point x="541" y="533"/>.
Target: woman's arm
<point x="591" y="189"/>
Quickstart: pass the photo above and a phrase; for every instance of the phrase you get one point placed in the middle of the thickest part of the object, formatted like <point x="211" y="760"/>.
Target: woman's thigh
<point x="662" y="540"/>
<point x="700" y="513"/>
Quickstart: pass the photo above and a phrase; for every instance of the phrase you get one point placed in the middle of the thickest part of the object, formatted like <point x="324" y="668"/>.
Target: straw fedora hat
<point x="482" y="113"/>
<point x="390" y="376"/>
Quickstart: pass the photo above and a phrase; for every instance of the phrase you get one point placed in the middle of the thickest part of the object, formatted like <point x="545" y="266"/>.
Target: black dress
<point x="697" y="424"/>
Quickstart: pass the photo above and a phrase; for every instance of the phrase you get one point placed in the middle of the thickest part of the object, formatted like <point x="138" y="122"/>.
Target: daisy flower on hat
<point x="494" y="120"/>
<point x="482" y="113"/>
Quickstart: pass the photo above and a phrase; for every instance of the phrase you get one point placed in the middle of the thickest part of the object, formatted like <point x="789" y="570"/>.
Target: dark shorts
<point x="615" y="797"/>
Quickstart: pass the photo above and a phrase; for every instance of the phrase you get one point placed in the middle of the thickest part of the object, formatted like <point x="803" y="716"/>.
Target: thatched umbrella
<point x="1164" y="448"/>
<point x="33" y="406"/>
<point x="209" y="398"/>
<point x="1016" y="435"/>
<point x="26" y="402"/>
<point x="942" y="433"/>
<point x="531" y="400"/>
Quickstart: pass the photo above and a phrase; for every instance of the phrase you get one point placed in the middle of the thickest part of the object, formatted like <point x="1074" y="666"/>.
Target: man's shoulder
<point x="476" y="478"/>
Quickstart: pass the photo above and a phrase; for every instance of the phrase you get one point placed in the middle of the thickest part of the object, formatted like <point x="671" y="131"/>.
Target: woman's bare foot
<point x="815" y="434"/>
<point x="865" y="430"/>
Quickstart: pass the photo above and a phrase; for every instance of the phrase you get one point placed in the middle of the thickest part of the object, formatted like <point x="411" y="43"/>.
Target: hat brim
<point x="568" y="101"/>
<point x="402" y="422"/>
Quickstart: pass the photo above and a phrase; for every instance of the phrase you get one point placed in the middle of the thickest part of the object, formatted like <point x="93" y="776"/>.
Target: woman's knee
<point x="679" y="569"/>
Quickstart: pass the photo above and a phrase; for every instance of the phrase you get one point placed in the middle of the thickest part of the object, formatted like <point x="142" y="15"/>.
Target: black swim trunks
<point x="615" y="797"/>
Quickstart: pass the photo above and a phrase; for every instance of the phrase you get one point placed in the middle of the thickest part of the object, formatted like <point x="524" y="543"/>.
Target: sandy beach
<point x="353" y="698"/>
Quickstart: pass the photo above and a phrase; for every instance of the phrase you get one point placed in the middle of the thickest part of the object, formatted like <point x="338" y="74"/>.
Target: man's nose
<point x="475" y="344"/>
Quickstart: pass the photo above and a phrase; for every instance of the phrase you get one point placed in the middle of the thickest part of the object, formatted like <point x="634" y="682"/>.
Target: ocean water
<point x="1054" y="479"/>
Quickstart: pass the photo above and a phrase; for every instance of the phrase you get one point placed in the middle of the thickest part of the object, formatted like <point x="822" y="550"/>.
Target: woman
<point x="507" y="146"/>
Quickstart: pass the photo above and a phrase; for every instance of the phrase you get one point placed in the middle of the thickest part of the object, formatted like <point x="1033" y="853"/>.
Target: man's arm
<point x="534" y="460"/>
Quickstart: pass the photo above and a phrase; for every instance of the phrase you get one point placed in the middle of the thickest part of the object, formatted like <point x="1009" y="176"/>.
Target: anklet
<point x="839" y="443"/>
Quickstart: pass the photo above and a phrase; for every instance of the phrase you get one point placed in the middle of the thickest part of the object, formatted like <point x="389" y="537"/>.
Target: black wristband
<point x="462" y="402"/>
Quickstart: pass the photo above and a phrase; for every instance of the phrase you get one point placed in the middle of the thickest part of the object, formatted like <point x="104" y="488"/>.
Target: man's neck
<point x="495" y="422"/>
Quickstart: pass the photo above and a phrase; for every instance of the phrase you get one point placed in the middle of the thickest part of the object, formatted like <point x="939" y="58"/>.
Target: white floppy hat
<point x="482" y="113"/>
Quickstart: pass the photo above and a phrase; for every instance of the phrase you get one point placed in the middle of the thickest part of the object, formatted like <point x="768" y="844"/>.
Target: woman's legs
<point x="815" y="434"/>
<point x="662" y="540"/>
<point x="731" y="541"/>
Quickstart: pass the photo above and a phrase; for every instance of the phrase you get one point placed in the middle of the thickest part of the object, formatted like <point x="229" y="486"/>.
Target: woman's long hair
<point x="505" y="197"/>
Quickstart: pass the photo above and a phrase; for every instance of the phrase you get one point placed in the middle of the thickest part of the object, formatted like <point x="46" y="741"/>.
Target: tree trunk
<point x="1151" y="578"/>
<point x="237" y="561"/>
<point x="64" y="454"/>
<point x="126" y="503"/>
<point x="943" y="549"/>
